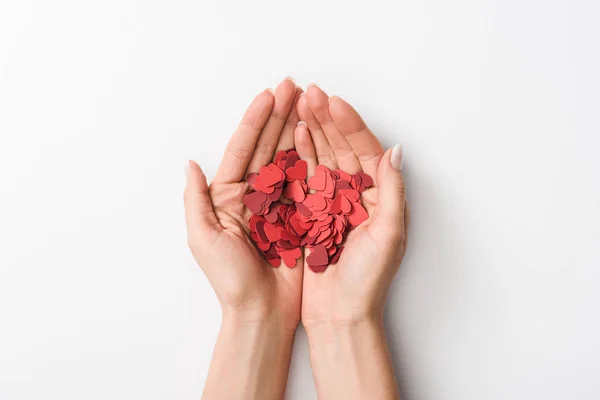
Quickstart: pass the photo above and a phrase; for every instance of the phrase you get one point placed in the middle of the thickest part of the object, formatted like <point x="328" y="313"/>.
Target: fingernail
<point x="270" y="90"/>
<point x="289" y="78"/>
<point x="186" y="169"/>
<point x="301" y="123"/>
<point x="397" y="156"/>
<point x="310" y="84"/>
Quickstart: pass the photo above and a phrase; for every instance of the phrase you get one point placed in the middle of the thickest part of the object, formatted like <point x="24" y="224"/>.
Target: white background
<point x="496" y="103"/>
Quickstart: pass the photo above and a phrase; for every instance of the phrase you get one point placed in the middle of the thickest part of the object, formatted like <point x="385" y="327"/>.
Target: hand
<point x="217" y="220"/>
<point x="354" y="289"/>
<point x="342" y="308"/>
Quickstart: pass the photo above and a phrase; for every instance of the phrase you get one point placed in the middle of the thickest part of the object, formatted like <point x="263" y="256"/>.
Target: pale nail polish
<point x="397" y="157"/>
<point x="270" y="90"/>
<point x="289" y="78"/>
<point x="301" y="123"/>
<point x="310" y="84"/>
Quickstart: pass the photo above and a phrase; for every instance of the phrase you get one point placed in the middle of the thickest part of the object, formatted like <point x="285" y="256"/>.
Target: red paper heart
<point x="273" y="232"/>
<point x="318" y="257"/>
<point x="335" y="257"/>
<point x="294" y="191"/>
<point x="318" y="181"/>
<point x="255" y="201"/>
<point x="358" y="215"/>
<point x="291" y="256"/>
<point x="297" y="172"/>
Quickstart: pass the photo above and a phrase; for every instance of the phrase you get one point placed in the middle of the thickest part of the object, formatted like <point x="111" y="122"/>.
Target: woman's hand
<point x="354" y="289"/>
<point x="342" y="308"/>
<point x="261" y="304"/>
<point x="217" y="220"/>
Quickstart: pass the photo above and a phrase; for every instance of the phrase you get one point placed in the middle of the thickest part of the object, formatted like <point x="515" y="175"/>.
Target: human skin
<point x="260" y="304"/>
<point x="342" y="308"/>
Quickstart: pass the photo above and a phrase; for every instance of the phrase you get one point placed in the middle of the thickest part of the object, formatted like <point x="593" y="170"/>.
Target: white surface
<point x="496" y="103"/>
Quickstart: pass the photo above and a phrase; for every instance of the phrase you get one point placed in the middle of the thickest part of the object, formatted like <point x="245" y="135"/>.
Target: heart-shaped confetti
<point x="287" y="215"/>
<point x="318" y="256"/>
<point x="297" y="172"/>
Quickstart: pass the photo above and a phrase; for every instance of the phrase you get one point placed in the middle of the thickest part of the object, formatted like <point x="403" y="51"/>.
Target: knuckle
<point x="367" y="157"/>
<point x="240" y="153"/>
<point x="265" y="148"/>
<point x="342" y="152"/>
<point x="326" y="159"/>
<point x="291" y="121"/>
<point x="279" y="115"/>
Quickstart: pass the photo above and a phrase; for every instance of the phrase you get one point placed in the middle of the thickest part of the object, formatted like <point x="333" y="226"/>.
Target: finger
<point x="318" y="102"/>
<point x="269" y="137"/>
<point x="241" y="146"/>
<point x="199" y="213"/>
<point x="286" y="140"/>
<point x="323" y="150"/>
<point x="388" y="218"/>
<point x="305" y="147"/>
<point x="367" y="148"/>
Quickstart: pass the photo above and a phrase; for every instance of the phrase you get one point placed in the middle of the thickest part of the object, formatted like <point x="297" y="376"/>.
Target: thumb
<point x="389" y="213"/>
<point x="199" y="213"/>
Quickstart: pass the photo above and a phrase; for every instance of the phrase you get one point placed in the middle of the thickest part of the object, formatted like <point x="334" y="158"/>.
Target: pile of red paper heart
<point x="288" y="215"/>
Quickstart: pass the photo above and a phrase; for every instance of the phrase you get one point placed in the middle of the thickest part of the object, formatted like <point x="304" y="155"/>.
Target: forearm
<point x="250" y="361"/>
<point x="352" y="361"/>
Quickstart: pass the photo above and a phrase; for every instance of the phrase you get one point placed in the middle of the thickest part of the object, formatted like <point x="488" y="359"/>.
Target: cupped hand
<point x="355" y="288"/>
<point x="217" y="220"/>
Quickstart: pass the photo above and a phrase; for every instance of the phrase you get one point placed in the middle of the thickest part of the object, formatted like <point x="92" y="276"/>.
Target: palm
<point x="348" y="278"/>
<point x="233" y="245"/>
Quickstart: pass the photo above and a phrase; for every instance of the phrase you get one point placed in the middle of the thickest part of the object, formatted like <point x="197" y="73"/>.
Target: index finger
<point x="269" y="137"/>
<point x="241" y="146"/>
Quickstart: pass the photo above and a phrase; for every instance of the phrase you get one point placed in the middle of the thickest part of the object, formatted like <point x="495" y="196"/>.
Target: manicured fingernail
<point x="301" y="123"/>
<point x="310" y="84"/>
<point x="270" y="90"/>
<point x="186" y="169"/>
<point x="397" y="156"/>
<point x="289" y="78"/>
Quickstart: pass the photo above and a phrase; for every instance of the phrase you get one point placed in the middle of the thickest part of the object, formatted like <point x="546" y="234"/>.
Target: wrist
<point x="343" y="321"/>
<point x="351" y="360"/>
<point x="331" y="330"/>
<point x="252" y="357"/>
<point x="268" y="321"/>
